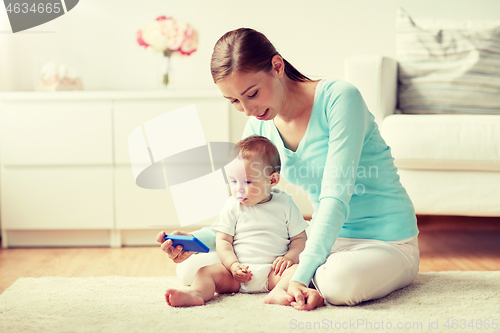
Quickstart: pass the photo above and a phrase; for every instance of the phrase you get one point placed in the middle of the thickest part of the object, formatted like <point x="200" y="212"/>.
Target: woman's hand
<point x="280" y="264"/>
<point x="240" y="272"/>
<point x="176" y="254"/>
<point x="305" y="298"/>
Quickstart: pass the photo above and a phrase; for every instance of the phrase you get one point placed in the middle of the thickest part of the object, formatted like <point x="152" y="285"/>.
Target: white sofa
<point x="448" y="163"/>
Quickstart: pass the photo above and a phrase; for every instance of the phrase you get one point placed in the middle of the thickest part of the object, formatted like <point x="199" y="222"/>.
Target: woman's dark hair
<point x="247" y="50"/>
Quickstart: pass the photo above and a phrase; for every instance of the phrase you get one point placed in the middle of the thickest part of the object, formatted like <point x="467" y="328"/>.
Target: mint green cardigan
<point x="348" y="171"/>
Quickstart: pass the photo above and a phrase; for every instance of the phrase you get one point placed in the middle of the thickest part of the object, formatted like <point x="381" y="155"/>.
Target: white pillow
<point x="448" y="66"/>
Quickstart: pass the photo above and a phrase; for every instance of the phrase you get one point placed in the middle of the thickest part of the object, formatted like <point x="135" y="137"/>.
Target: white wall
<point x="316" y="36"/>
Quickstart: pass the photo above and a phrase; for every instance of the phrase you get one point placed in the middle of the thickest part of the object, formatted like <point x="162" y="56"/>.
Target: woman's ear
<point x="278" y="65"/>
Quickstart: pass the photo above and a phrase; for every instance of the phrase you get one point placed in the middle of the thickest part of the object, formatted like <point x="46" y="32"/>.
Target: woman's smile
<point x="263" y="115"/>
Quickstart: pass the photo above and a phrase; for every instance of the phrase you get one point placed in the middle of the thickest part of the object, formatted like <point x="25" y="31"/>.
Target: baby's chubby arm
<point x="225" y="250"/>
<point x="296" y="246"/>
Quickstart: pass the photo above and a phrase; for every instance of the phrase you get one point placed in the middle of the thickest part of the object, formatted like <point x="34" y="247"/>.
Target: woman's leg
<point x="187" y="269"/>
<point x="362" y="270"/>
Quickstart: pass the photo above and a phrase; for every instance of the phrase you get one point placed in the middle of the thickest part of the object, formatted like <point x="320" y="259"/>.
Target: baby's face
<point x="249" y="183"/>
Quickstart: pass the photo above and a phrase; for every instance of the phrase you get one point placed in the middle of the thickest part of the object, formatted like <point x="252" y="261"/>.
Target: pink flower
<point x="167" y="34"/>
<point x="174" y="33"/>
<point x="190" y="42"/>
<point x="140" y="41"/>
<point x="152" y="35"/>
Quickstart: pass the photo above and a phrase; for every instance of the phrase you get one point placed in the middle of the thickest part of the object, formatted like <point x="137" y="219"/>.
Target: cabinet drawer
<point x="56" y="133"/>
<point x="47" y="198"/>
<point x="213" y="113"/>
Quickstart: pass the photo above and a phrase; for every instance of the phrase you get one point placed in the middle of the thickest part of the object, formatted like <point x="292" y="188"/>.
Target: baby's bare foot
<point x="183" y="298"/>
<point x="278" y="296"/>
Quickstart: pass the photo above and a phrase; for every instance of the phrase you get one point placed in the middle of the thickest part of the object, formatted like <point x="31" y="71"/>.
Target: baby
<point x="258" y="237"/>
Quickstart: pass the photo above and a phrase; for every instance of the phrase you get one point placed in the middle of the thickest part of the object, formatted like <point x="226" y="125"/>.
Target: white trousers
<point x="356" y="270"/>
<point x="359" y="270"/>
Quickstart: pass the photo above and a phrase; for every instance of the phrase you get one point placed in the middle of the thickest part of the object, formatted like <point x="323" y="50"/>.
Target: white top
<point x="261" y="232"/>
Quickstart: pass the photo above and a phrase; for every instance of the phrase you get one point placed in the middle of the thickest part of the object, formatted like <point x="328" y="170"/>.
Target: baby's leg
<point x="187" y="269"/>
<point x="208" y="280"/>
<point x="278" y="286"/>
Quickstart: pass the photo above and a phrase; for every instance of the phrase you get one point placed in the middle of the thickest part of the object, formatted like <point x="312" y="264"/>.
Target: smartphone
<point x="189" y="243"/>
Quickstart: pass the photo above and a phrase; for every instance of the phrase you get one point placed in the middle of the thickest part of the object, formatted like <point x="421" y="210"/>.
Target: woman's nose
<point x="239" y="107"/>
<point x="248" y="109"/>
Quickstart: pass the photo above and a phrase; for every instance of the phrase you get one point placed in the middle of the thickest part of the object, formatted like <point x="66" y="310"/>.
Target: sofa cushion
<point x="444" y="142"/>
<point x="448" y="66"/>
<point x="466" y="193"/>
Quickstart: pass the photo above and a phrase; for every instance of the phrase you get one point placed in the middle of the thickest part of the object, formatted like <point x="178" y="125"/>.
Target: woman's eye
<point x="248" y="182"/>
<point x="232" y="102"/>
<point x="254" y="94"/>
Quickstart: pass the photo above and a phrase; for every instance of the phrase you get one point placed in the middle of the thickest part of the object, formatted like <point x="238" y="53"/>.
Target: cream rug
<point x="445" y="301"/>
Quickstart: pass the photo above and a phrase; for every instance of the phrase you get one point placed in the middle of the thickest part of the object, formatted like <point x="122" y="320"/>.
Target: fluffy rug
<point x="445" y="301"/>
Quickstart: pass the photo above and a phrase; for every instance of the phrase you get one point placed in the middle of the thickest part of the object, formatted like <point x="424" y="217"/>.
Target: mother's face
<point x="258" y="94"/>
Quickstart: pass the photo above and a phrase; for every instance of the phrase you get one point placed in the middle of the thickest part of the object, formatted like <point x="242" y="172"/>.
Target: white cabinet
<point x="56" y="133"/>
<point x="65" y="171"/>
<point x="57" y="198"/>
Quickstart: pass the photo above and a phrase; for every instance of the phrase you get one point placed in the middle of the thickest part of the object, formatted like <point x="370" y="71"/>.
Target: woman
<point x="363" y="241"/>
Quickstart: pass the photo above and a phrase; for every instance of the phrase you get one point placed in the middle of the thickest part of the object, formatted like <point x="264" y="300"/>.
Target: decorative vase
<point x="166" y="68"/>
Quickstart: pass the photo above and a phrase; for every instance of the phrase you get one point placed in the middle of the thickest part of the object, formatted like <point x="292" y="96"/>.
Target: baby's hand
<point x="240" y="272"/>
<point x="175" y="253"/>
<point x="280" y="264"/>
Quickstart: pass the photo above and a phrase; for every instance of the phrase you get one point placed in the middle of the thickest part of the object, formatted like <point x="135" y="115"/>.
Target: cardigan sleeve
<point x="207" y="236"/>
<point x="347" y="117"/>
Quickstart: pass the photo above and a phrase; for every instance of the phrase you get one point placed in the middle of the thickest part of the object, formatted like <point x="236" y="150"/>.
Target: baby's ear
<point x="274" y="179"/>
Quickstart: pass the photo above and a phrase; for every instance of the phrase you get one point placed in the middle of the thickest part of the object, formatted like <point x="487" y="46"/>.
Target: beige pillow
<point x="448" y="66"/>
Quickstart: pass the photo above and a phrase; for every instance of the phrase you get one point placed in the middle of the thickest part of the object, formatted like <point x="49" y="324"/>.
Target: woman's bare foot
<point x="278" y="296"/>
<point x="183" y="298"/>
